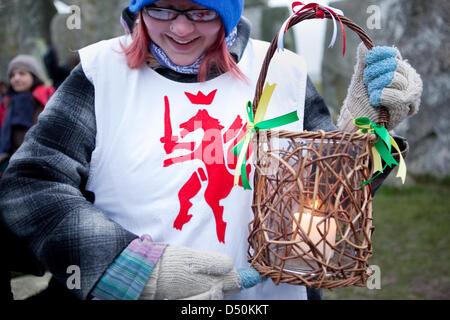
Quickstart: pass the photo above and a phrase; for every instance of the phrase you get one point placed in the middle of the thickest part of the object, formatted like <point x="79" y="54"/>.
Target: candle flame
<point x="317" y="204"/>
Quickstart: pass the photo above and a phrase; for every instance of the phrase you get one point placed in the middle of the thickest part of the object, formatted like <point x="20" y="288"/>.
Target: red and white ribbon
<point x="300" y="8"/>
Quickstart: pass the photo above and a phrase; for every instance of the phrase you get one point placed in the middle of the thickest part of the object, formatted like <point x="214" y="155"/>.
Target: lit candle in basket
<point x="311" y="224"/>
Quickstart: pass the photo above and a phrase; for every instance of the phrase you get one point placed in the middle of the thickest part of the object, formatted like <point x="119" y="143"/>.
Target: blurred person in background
<point x="58" y="72"/>
<point x="25" y="99"/>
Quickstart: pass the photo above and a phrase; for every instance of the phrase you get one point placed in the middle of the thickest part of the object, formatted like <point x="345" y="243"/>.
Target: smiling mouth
<point x="182" y="43"/>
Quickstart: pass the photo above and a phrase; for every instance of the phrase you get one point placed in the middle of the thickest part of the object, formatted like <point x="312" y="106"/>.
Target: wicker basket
<point x="312" y="215"/>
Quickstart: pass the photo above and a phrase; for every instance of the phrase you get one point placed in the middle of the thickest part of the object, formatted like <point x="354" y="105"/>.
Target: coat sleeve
<point x="317" y="115"/>
<point x="42" y="195"/>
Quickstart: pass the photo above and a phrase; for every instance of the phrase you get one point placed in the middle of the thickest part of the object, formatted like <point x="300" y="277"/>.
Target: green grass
<point x="411" y="244"/>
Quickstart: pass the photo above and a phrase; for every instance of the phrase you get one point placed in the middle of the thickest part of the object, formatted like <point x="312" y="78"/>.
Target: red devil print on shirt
<point x="217" y="158"/>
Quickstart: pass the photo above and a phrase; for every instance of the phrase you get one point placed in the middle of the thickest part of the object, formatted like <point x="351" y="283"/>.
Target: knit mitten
<point x="381" y="78"/>
<point x="184" y="273"/>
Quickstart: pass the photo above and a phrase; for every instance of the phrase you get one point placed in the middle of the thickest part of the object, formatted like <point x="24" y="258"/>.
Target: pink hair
<point x="137" y="53"/>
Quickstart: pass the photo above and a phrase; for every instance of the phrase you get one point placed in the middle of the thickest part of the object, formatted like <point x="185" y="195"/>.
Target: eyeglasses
<point x="199" y="15"/>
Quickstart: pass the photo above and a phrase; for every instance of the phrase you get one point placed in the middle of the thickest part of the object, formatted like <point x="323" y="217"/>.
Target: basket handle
<point x="384" y="113"/>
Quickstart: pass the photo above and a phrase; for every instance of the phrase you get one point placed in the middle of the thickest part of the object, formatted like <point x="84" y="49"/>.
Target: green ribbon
<point x="383" y="147"/>
<point x="241" y="149"/>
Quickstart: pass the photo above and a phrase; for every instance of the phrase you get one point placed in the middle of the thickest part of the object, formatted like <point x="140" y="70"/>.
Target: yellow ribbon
<point x="253" y="125"/>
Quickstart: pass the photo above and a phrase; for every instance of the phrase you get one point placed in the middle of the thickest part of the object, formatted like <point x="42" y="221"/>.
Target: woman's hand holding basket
<point x="381" y="78"/>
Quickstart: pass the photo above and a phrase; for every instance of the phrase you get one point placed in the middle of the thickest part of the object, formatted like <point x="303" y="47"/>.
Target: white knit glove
<point x="381" y="78"/>
<point x="184" y="273"/>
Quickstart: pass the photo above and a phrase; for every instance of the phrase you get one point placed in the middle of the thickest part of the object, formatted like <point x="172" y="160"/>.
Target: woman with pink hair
<point x="128" y="174"/>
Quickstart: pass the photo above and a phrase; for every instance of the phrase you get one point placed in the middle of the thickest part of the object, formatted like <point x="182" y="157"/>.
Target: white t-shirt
<point x="163" y="164"/>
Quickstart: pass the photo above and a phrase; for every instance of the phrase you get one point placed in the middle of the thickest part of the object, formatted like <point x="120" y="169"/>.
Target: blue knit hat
<point x="229" y="10"/>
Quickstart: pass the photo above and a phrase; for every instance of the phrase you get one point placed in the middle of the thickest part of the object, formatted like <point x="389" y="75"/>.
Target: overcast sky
<point x="309" y="37"/>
